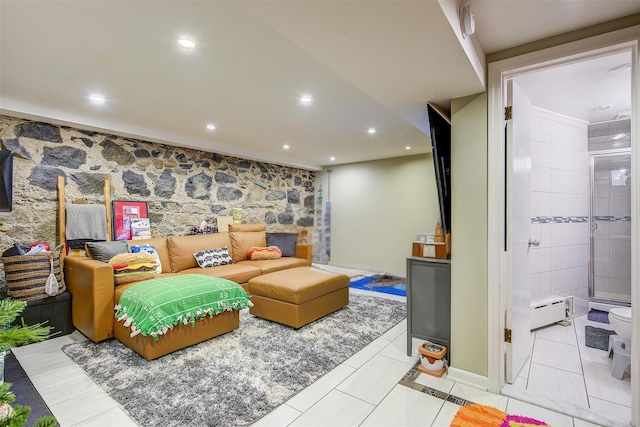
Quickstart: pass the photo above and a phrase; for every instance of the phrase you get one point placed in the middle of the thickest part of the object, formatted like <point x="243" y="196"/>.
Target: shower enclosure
<point x="610" y="215"/>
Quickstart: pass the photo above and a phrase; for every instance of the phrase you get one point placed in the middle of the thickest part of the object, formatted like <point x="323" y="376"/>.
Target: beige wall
<point x="469" y="333"/>
<point x="377" y="208"/>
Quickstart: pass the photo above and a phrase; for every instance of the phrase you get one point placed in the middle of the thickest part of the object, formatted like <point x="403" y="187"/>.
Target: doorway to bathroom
<point x="579" y="259"/>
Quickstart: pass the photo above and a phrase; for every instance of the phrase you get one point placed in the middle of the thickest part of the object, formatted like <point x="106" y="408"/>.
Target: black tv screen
<point x="440" y="132"/>
<point x="6" y="181"/>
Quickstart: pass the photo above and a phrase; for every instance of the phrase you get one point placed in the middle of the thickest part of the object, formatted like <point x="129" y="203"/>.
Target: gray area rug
<point x="236" y="378"/>
<point x="597" y="337"/>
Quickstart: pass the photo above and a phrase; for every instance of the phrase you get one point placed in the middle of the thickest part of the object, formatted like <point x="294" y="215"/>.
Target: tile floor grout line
<point x="409" y="381"/>
<point x="584" y="377"/>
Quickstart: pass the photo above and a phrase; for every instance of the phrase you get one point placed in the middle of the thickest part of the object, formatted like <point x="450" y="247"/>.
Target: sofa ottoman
<point x="298" y="296"/>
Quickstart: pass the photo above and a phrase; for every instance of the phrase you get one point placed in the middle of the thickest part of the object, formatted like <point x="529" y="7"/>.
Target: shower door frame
<point x="592" y="156"/>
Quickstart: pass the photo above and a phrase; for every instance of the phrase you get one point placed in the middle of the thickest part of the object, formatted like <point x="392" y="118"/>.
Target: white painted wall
<point x="377" y="209"/>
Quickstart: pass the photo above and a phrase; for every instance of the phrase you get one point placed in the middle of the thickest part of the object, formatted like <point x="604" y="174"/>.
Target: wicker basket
<point x="26" y="275"/>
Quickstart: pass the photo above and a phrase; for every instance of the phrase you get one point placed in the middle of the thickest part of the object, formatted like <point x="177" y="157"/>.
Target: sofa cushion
<point x="271" y="265"/>
<point x="242" y="241"/>
<point x="260" y="226"/>
<point x="270" y="252"/>
<point x="104" y="251"/>
<point x="213" y="257"/>
<point x="182" y="248"/>
<point x="239" y="273"/>
<point x="285" y="241"/>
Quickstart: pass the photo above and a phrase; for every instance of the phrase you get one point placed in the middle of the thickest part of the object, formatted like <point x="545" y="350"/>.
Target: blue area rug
<point x="377" y="284"/>
<point x="598" y="316"/>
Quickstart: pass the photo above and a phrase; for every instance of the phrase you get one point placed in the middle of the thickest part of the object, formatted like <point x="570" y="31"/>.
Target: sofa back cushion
<point x="242" y="241"/>
<point x="160" y="243"/>
<point x="260" y="226"/>
<point x="182" y="248"/>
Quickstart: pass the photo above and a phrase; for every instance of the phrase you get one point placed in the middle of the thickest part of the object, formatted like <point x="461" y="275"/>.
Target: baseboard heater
<point x="550" y="310"/>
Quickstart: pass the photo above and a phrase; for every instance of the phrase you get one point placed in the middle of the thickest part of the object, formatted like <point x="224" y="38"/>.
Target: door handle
<point x="534" y="243"/>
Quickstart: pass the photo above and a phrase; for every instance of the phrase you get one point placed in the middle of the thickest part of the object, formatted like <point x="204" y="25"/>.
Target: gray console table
<point x="429" y="301"/>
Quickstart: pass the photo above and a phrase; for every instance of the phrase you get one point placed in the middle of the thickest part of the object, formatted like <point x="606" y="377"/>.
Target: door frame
<point x="627" y="39"/>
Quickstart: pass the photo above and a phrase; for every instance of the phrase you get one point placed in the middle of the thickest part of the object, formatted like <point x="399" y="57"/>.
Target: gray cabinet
<point x="429" y="301"/>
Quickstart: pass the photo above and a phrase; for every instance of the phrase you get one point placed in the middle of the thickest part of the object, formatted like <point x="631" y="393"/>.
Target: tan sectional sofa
<point x="94" y="294"/>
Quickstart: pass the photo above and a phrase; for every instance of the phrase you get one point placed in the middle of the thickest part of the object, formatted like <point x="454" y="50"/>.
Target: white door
<point x="518" y="183"/>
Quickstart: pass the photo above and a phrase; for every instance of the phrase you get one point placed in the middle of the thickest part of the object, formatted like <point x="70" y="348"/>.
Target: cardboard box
<point x="430" y="250"/>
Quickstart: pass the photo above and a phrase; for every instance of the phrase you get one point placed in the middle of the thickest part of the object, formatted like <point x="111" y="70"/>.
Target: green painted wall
<point x="469" y="287"/>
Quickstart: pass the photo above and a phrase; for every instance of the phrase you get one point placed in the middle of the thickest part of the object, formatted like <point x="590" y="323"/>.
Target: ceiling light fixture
<point x="211" y="127"/>
<point x="332" y="158"/>
<point x="186" y="43"/>
<point x="408" y="147"/>
<point x="467" y="19"/>
<point x="601" y="107"/>
<point x="371" y="131"/>
<point x="622" y="68"/>
<point x="285" y="146"/>
<point x="306" y="99"/>
<point x="98" y="99"/>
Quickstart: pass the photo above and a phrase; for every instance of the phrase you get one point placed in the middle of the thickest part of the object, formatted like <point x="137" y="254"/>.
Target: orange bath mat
<point x="487" y="416"/>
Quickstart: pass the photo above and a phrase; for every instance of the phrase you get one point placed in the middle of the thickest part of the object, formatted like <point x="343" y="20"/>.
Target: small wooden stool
<point x="298" y="296"/>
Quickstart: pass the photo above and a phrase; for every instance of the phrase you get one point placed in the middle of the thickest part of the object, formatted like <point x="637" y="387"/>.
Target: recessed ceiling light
<point x="408" y="147"/>
<point x="306" y="99"/>
<point x="98" y="99"/>
<point x="371" y="131"/>
<point x="623" y="68"/>
<point x="186" y="43"/>
<point x="332" y="158"/>
<point x="211" y="127"/>
<point x="285" y="146"/>
<point x="601" y="107"/>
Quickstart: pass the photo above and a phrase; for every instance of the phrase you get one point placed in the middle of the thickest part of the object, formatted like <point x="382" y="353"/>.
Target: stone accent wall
<point x="182" y="186"/>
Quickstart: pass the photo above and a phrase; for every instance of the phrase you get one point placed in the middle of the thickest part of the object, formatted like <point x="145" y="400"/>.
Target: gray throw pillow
<point x="286" y="242"/>
<point x="104" y="251"/>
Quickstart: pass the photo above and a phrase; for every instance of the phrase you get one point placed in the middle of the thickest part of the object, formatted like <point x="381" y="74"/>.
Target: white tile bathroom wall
<point x="559" y="208"/>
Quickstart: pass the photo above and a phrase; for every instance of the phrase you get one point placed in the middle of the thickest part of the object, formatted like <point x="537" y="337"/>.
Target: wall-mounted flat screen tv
<point x="440" y="132"/>
<point x="6" y="181"/>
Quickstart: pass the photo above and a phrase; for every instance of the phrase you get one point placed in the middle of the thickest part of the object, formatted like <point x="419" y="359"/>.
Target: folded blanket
<point x="157" y="305"/>
<point x="86" y="221"/>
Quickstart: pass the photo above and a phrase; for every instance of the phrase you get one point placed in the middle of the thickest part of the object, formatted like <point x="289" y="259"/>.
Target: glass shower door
<point x="610" y="275"/>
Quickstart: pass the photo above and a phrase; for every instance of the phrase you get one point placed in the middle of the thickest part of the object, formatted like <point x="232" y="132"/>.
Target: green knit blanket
<point x="154" y="306"/>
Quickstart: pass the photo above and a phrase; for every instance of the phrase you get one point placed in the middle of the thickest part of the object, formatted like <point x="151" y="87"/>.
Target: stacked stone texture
<point x="183" y="187"/>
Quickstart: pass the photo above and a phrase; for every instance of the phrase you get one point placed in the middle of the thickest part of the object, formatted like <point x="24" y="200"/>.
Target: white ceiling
<point x="366" y="64"/>
<point x="575" y="90"/>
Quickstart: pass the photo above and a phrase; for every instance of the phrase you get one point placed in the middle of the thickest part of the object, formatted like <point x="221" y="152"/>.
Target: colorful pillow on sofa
<point x="258" y="253"/>
<point x="128" y="268"/>
<point x="213" y="257"/>
<point x="104" y="251"/>
<point x="285" y="241"/>
<point x="151" y="250"/>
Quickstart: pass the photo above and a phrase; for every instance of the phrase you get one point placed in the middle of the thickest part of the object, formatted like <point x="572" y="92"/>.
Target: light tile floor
<point x="562" y="368"/>
<point x="362" y="391"/>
